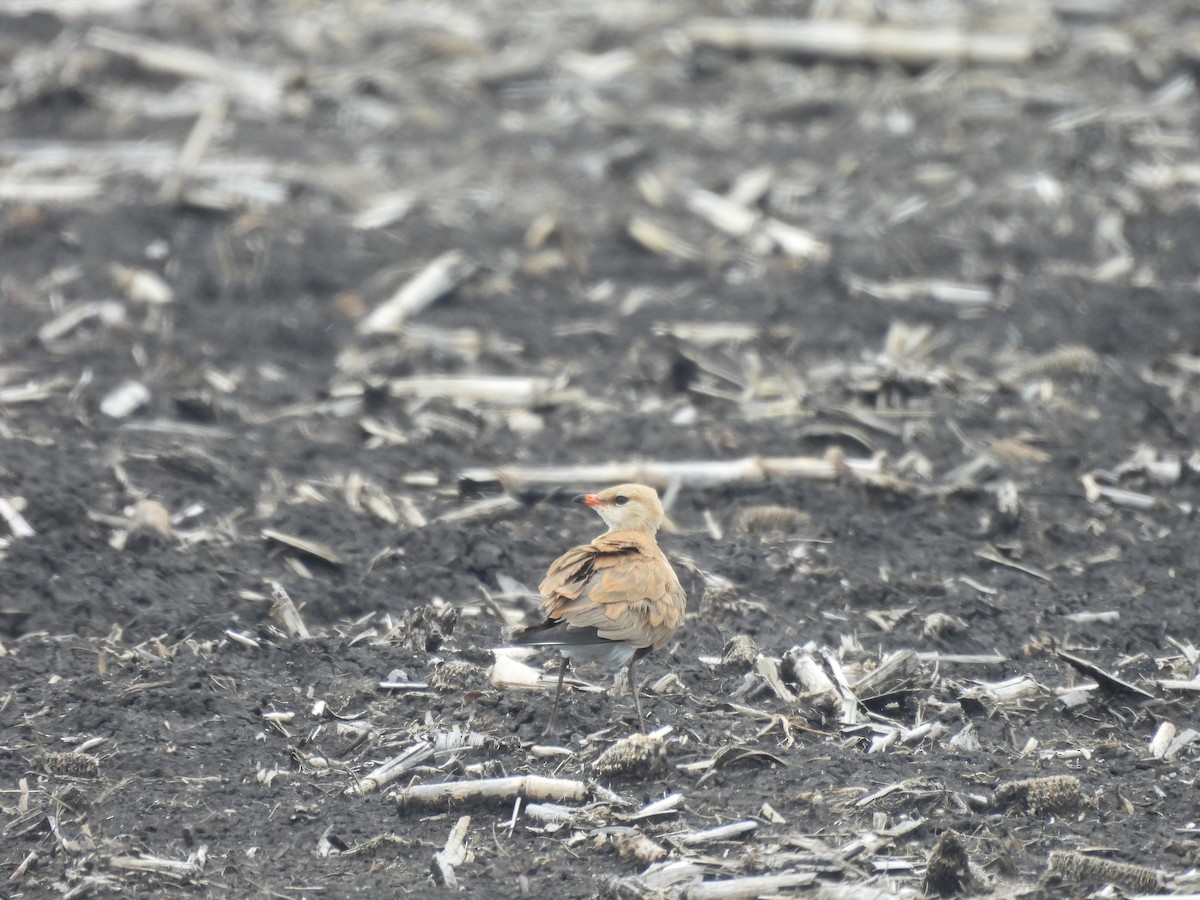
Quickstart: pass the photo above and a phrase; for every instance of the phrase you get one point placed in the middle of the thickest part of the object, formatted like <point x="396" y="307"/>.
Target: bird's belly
<point x="613" y="654"/>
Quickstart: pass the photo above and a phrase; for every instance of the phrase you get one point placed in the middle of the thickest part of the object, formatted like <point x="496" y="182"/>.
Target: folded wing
<point x="620" y="587"/>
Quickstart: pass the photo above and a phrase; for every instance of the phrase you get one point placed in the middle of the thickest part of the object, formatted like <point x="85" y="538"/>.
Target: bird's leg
<point x="562" y="670"/>
<point x="637" y="703"/>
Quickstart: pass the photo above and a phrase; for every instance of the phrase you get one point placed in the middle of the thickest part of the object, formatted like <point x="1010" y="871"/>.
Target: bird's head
<point x="627" y="507"/>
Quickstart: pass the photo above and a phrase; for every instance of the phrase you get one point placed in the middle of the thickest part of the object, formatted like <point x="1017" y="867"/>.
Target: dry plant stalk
<point x="726" y="832"/>
<point x="815" y="684"/>
<point x="384" y="210"/>
<point x="949" y="292"/>
<point x="198" y="140"/>
<point x="1179" y="684"/>
<point x="32" y="391"/>
<point x="1107" y="682"/>
<point x="855" y="40"/>
<point x="874" y="841"/>
<point x="668" y="878"/>
<point x="180" y="870"/>
<point x="555" y="813"/>
<point x="722" y="213"/>
<point x="894" y="672"/>
<point x="749" y="886"/>
<point x="1001" y="694"/>
<point x="437" y="279"/>
<point x="767" y="668"/>
<point x="481" y="510"/>
<point x="689" y="472"/>
<point x="1163" y="736"/>
<point x="106" y="312"/>
<point x="10" y="512"/>
<point x="504" y="390"/>
<point x="389" y="771"/>
<point x="60" y="190"/>
<point x="657" y="239"/>
<point x="510" y="674"/>
<point x="249" y="84"/>
<point x="454" y="853"/>
<point x="992" y="555"/>
<point x="964" y="659"/>
<point x="1094" y="491"/>
<point x="311" y="548"/>
<point x="795" y="242"/>
<point x="527" y="787"/>
<point x="849" y="712"/>
<point x="284" y="611"/>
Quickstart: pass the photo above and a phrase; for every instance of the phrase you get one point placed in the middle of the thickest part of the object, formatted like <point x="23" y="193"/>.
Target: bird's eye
<point x="621" y="500"/>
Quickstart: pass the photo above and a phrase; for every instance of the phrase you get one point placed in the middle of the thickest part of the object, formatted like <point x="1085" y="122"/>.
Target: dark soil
<point x="1060" y="189"/>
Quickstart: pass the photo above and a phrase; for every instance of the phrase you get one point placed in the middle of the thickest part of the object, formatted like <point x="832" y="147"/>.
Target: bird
<point x="614" y="600"/>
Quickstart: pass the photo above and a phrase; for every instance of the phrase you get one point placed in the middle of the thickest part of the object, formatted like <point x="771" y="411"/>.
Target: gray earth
<point x="964" y="293"/>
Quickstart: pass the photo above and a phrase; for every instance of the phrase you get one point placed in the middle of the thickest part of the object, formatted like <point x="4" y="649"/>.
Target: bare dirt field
<point x="314" y="316"/>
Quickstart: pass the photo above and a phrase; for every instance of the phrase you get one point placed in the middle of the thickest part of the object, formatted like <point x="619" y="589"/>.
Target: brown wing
<point x="620" y="584"/>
